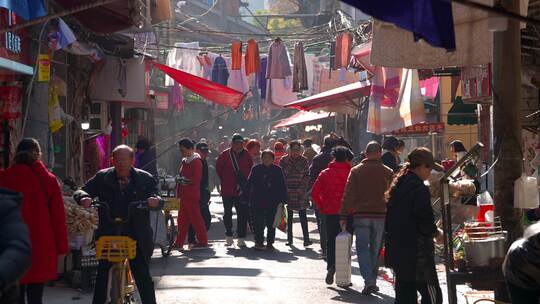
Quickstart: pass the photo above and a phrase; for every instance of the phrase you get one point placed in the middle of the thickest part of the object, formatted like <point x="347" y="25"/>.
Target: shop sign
<point x="44" y="67"/>
<point x="162" y="100"/>
<point x="421" y="128"/>
<point x="13" y="47"/>
<point x="476" y="83"/>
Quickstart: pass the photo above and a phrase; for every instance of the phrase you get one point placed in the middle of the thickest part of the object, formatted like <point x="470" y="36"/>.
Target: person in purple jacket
<point x="266" y="190"/>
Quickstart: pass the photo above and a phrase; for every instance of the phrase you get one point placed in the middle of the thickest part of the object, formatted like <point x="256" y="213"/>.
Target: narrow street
<point x="233" y="275"/>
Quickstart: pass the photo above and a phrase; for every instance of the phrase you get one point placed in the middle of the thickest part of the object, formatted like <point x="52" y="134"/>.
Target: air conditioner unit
<point x="98" y="116"/>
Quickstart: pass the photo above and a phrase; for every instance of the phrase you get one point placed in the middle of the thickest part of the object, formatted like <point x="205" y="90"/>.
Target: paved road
<point x="231" y="275"/>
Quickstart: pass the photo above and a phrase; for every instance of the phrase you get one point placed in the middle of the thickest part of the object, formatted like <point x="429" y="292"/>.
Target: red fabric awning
<point x="342" y="99"/>
<point x="207" y="89"/>
<point x="302" y="117"/>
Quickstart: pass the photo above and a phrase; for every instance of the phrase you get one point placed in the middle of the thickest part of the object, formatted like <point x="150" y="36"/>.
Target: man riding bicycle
<point x="117" y="187"/>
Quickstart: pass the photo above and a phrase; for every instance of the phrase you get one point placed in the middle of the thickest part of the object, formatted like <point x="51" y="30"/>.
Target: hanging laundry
<point x="220" y="72"/>
<point x="343" y="50"/>
<point x="300" y="78"/>
<point x="408" y="110"/>
<point x="177" y="97"/>
<point x="261" y="77"/>
<point x="279" y="92"/>
<point x="279" y="64"/>
<point x="61" y="37"/>
<point x="253" y="60"/>
<point x="429" y="20"/>
<point x="184" y="57"/>
<point x="236" y="53"/>
<point x="206" y="65"/>
<point x="309" y="65"/>
<point x="237" y="78"/>
<point x="385" y="86"/>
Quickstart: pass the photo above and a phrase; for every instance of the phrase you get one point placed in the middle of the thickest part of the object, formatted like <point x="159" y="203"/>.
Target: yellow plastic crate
<point x="115" y="249"/>
<point x="171" y="204"/>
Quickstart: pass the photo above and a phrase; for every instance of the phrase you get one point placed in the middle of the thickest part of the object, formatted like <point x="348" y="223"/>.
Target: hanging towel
<point x="253" y="60"/>
<point x="300" y="78"/>
<point x="220" y="73"/>
<point x="343" y="50"/>
<point x="279" y="64"/>
<point x="177" y="97"/>
<point x="184" y="57"/>
<point x="236" y="55"/>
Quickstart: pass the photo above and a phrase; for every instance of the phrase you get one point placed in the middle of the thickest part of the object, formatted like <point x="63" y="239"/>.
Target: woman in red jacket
<point x="189" y="192"/>
<point x="327" y="193"/>
<point x="43" y="212"/>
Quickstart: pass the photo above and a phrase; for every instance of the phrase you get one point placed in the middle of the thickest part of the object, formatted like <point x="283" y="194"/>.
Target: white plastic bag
<point x="343" y="259"/>
<point x="526" y="192"/>
<point x="157" y="222"/>
<point x="484" y="198"/>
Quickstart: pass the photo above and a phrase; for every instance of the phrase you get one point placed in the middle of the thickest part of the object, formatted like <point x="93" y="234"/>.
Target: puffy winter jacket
<point x="522" y="264"/>
<point x="327" y="192"/>
<point x="15" y="254"/>
<point x="192" y="170"/>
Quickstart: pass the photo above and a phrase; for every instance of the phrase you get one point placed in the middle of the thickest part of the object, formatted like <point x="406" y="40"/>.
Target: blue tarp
<point x="430" y="20"/>
<point x="26" y="9"/>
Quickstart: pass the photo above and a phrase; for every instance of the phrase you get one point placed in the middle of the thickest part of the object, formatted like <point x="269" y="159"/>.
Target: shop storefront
<point x="14" y="67"/>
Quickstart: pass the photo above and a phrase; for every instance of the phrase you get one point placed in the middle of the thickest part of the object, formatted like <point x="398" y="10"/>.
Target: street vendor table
<point x="489" y="278"/>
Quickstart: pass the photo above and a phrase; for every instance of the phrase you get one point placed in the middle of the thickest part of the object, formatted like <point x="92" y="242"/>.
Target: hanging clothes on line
<point x="177" y="97"/>
<point x="184" y="58"/>
<point x="300" y="77"/>
<point x="237" y="78"/>
<point x="279" y="64"/>
<point x="253" y="60"/>
<point x="343" y="50"/>
<point x="332" y="55"/>
<point x="236" y="53"/>
<point x="220" y="72"/>
<point x="261" y="77"/>
<point x="206" y="65"/>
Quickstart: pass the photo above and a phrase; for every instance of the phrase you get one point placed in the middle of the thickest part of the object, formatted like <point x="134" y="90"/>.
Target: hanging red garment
<point x="343" y="50"/>
<point x="207" y="89"/>
<point x="236" y="54"/>
<point x="252" y="58"/>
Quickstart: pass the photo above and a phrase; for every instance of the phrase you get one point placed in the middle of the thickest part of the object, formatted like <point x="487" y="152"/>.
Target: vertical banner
<point x="44" y="68"/>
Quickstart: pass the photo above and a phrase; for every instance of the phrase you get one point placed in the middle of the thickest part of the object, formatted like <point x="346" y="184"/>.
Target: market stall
<point x="474" y="250"/>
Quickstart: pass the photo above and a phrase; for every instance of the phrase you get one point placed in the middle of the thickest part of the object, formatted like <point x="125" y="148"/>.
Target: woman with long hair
<point x="43" y="212"/>
<point x="410" y="229"/>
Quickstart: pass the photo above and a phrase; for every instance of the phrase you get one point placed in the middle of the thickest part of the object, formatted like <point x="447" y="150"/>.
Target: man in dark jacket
<point x="232" y="183"/>
<point x="522" y="267"/>
<point x="15" y="251"/>
<point x="202" y="149"/>
<point x="320" y="162"/>
<point x="118" y="187"/>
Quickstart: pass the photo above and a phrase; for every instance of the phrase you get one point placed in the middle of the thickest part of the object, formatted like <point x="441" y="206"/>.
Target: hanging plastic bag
<point x="281" y="218"/>
<point x="526" y="192"/>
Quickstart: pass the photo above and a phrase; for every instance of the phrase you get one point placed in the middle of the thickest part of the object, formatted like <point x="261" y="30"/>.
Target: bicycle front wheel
<point x="172" y="231"/>
<point x="117" y="285"/>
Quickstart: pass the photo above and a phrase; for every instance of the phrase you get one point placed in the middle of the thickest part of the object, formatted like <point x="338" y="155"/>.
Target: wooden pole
<point x="507" y="124"/>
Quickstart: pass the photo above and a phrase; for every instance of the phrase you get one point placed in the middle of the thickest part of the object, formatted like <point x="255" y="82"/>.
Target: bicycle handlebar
<point x="141" y="205"/>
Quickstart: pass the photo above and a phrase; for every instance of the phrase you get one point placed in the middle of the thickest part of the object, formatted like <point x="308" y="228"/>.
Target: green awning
<point x="462" y="114"/>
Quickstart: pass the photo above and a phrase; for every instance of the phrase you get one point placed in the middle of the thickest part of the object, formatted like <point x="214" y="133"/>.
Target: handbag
<point x="281" y="218"/>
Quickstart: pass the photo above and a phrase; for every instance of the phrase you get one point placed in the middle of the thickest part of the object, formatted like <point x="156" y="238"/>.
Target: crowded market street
<point x="231" y="275"/>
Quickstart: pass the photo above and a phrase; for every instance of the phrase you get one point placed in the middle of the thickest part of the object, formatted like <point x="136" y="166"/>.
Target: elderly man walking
<point x="365" y="198"/>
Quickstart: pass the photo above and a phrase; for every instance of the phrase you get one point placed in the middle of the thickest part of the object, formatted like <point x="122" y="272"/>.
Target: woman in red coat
<point x="43" y="212"/>
<point x="327" y="194"/>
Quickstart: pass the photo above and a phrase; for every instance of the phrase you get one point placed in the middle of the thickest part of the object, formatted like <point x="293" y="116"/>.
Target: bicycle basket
<point x="115" y="248"/>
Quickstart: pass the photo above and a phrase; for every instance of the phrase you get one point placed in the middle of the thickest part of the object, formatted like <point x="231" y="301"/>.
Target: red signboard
<point x="421" y="128"/>
<point x="13" y="45"/>
<point x="476" y="83"/>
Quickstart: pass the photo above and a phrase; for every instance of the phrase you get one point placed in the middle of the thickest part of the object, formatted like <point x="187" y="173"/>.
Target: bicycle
<point x="118" y="249"/>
